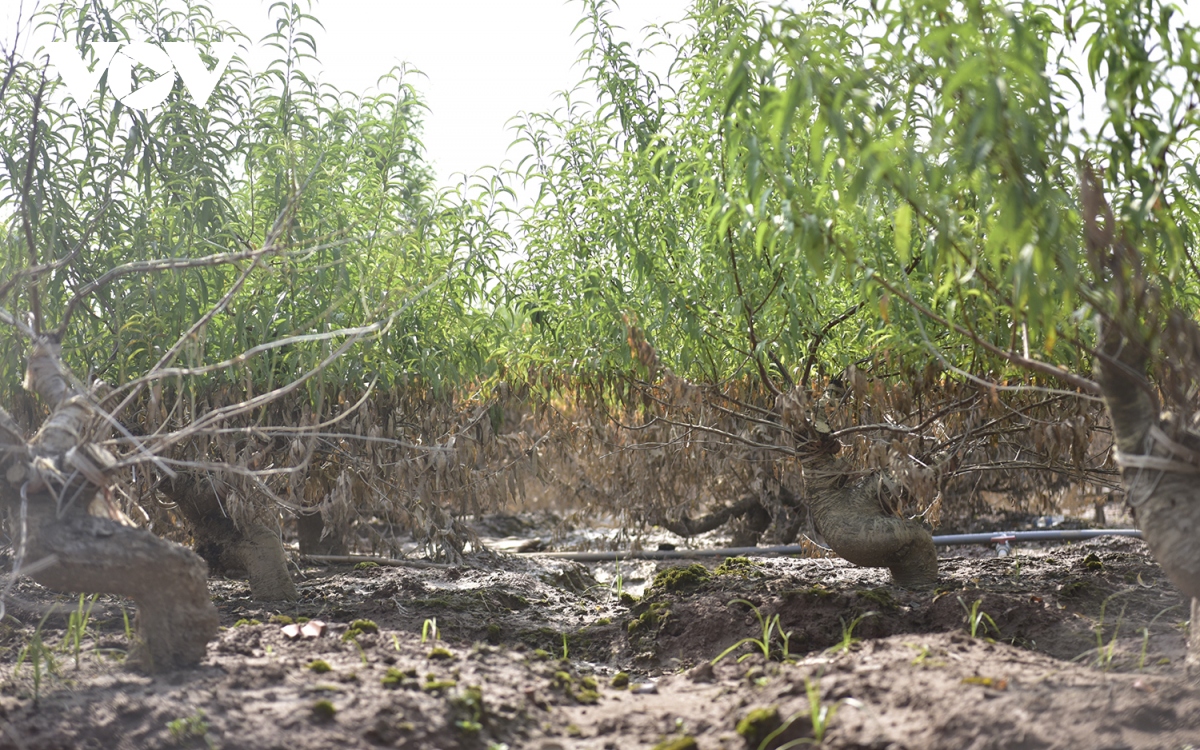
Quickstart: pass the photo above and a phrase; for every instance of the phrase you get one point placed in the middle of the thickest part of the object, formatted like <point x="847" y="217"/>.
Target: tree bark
<point x="254" y="549"/>
<point x="857" y="527"/>
<point x="175" y="617"/>
<point x="1158" y="456"/>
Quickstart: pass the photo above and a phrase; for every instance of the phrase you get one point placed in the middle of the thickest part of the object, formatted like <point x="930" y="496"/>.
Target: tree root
<point x="688" y="527"/>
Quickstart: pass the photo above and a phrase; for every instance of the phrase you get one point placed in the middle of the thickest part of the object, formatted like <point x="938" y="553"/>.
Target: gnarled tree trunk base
<point x="855" y="524"/>
<point x="175" y="616"/>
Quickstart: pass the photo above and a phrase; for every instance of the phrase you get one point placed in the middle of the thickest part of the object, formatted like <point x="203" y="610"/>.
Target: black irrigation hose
<point x="995" y="538"/>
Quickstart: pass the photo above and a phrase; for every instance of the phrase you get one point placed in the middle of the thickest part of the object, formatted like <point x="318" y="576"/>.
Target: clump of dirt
<point x="1072" y="646"/>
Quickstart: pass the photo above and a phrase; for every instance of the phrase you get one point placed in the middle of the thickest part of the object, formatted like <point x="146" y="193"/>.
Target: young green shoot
<point x="820" y="715"/>
<point x="978" y="621"/>
<point x="848" y="639"/>
<point x="1105" y="652"/>
<point x="1146" y="636"/>
<point x="39" y="656"/>
<point x="429" y="629"/>
<point x="77" y="626"/>
<point x="769" y="626"/>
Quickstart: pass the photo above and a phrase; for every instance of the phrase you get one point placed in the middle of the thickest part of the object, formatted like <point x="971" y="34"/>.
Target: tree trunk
<point x="855" y="524"/>
<point x="1158" y="456"/>
<point x="254" y="549"/>
<point x="175" y="617"/>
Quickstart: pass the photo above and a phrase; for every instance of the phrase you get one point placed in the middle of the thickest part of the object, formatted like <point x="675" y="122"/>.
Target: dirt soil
<point x="1073" y="646"/>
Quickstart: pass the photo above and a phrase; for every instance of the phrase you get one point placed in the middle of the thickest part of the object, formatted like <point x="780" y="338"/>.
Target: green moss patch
<point x="681" y="577"/>
<point x="320" y="666"/>
<point x="742" y="567"/>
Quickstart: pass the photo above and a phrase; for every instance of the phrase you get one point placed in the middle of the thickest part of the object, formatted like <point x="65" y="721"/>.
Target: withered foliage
<point x="934" y="442"/>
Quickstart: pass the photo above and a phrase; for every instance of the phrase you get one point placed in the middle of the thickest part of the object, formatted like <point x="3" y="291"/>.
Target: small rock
<point x="643" y="688"/>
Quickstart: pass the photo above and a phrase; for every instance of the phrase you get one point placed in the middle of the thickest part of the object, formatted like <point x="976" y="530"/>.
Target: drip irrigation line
<point x="386" y="561"/>
<point x="995" y="538"/>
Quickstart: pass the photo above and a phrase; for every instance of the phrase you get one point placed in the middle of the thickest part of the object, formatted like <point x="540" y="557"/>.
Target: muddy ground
<point x="1056" y="647"/>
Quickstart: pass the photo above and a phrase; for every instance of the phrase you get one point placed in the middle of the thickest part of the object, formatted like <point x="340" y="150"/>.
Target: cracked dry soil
<point x="1074" y="646"/>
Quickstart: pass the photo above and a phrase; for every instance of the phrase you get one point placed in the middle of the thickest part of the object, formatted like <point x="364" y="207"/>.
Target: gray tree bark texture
<point x="1158" y="455"/>
<point x="855" y="524"/>
<point x="175" y="617"/>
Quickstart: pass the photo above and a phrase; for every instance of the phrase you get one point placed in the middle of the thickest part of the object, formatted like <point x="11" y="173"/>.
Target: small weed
<point x="1106" y="651"/>
<point x="977" y="619"/>
<point x="362" y="653"/>
<point x="40" y="658"/>
<point x="848" y="639"/>
<point x="366" y="565"/>
<point x="1146" y="636"/>
<point x="759" y="724"/>
<point x="769" y="625"/>
<point x="819" y="714"/>
<point x="243" y="622"/>
<point x="429" y="629"/>
<point x="620" y="680"/>
<point x="566" y="652"/>
<point x="128" y="628"/>
<point x="922" y="659"/>
<point x="77" y="626"/>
